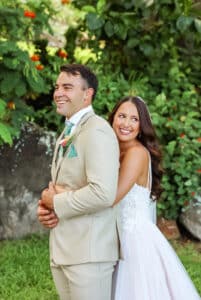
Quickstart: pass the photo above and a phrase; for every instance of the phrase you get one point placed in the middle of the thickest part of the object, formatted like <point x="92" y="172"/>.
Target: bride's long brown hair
<point x="146" y="137"/>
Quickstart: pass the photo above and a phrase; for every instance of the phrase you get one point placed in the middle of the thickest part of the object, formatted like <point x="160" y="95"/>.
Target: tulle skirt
<point x="150" y="269"/>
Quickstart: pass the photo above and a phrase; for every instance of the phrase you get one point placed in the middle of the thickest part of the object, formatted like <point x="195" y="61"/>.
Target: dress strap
<point x="149" y="176"/>
<point x="153" y="207"/>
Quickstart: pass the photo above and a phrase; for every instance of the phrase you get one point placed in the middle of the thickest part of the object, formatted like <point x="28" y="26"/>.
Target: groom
<point x="83" y="235"/>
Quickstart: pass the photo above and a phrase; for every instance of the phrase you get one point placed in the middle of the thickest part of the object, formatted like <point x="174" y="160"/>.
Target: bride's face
<point x="126" y="122"/>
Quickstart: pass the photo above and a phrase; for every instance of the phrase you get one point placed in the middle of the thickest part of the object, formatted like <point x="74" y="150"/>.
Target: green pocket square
<point x="72" y="151"/>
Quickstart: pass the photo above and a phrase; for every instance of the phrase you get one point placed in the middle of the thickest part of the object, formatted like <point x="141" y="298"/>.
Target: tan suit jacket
<point x="87" y="229"/>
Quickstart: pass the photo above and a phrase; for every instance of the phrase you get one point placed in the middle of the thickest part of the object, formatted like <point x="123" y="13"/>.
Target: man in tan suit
<point x="83" y="236"/>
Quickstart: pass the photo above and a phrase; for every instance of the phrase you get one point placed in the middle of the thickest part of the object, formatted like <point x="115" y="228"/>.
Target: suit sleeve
<point x="101" y="158"/>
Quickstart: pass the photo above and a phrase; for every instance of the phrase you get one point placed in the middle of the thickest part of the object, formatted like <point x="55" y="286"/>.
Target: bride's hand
<point x="61" y="189"/>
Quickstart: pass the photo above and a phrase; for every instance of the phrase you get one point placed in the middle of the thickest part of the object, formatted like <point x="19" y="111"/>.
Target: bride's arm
<point x="61" y="189"/>
<point x="131" y="171"/>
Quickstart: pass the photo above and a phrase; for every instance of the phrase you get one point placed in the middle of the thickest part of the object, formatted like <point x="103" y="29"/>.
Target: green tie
<point x="67" y="131"/>
<point x="68" y="128"/>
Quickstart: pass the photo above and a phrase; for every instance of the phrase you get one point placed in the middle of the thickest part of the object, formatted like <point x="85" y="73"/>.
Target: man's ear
<point x="89" y="96"/>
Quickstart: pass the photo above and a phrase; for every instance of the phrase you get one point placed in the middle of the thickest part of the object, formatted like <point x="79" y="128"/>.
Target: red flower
<point x="193" y="194"/>
<point x="62" y="53"/>
<point x="11" y="105"/>
<point x="199" y="139"/>
<point x="39" y="67"/>
<point x="182" y="135"/>
<point x="65" y="1"/>
<point x="198" y="171"/>
<point x="29" y="14"/>
<point x="64" y="141"/>
<point x="35" y="57"/>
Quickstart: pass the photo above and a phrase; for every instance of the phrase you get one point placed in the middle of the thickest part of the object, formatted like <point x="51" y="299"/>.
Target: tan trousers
<point x="91" y="281"/>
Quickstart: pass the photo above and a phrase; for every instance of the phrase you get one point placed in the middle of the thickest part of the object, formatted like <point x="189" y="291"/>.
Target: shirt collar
<point x="78" y="115"/>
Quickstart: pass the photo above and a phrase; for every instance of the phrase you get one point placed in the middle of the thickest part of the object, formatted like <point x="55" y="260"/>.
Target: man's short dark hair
<point x="86" y="74"/>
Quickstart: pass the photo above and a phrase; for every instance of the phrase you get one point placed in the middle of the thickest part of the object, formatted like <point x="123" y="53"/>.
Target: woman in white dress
<point x="150" y="268"/>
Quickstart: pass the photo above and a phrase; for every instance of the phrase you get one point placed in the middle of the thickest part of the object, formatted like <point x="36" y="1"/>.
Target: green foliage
<point x="177" y="120"/>
<point x="28" y="67"/>
<point x="156" y="47"/>
<point x="145" y="35"/>
<point x="48" y="119"/>
<point x="5" y="132"/>
<point x="16" y="64"/>
<point x="113" y="87"/>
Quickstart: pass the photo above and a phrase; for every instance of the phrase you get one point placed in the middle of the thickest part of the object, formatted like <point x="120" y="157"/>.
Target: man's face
<point x="71" y="94"/>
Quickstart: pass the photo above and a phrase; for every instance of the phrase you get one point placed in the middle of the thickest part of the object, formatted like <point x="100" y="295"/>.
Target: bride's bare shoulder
<point x="137" y="152"/>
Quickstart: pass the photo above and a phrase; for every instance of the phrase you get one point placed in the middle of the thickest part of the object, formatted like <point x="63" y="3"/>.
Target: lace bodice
<point x="137" y="206"/>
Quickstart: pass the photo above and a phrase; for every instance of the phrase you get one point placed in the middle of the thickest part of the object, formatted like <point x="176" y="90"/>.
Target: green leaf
<point x="143" y="3"/>
<point x="147" y="49"/>
<point x="109" y="29"/>
<point x="171" y="147"/>
<point x="188" y="182"/>
<point x="5" y="134"/>
<point x="94" y="22"/>
<point x="132" y="42"/>
<point x="11" y="63"/>
<point x="2" y="107"/>
<point x="183" y="23"/>
<point x="34" y="79"/>
<point x="88" y="9"/>
<point x="101" y="6"/>
<point x="197" y="23"/>
<point x="120" y="30"/>
<point x="181" y="190"/>
<point x="160" y="100"/>
<point x="20" y="89"/>
<point x="7" y="85"/>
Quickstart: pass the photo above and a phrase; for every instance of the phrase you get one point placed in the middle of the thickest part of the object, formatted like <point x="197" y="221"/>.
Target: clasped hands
<point x="46" y="214"/>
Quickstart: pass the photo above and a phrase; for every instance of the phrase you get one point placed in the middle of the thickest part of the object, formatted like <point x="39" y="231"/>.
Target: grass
<point x="24" y="270"/>
<point x="25" y="273"/>
<point x="190" y="254"/>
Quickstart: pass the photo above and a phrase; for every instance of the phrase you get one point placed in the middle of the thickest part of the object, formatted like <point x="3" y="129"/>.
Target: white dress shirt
<point x="77" y="117"/>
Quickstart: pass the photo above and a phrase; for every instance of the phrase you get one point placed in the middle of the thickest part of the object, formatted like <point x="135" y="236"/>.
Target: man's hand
<point x="47" y="196"/>
<point x="46" y="217"/>
<point x="45" y="212"/>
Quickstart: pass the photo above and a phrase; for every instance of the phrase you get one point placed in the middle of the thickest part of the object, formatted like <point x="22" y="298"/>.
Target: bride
<point x="150" y="269"/>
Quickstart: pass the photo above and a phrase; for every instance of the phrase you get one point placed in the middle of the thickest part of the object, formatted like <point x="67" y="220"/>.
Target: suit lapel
<point x="58" y="160"/>
<point x="82" y="121"/>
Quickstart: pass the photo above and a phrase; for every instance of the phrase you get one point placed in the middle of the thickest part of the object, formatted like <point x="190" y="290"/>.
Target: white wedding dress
<point x="150" y="269"/>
